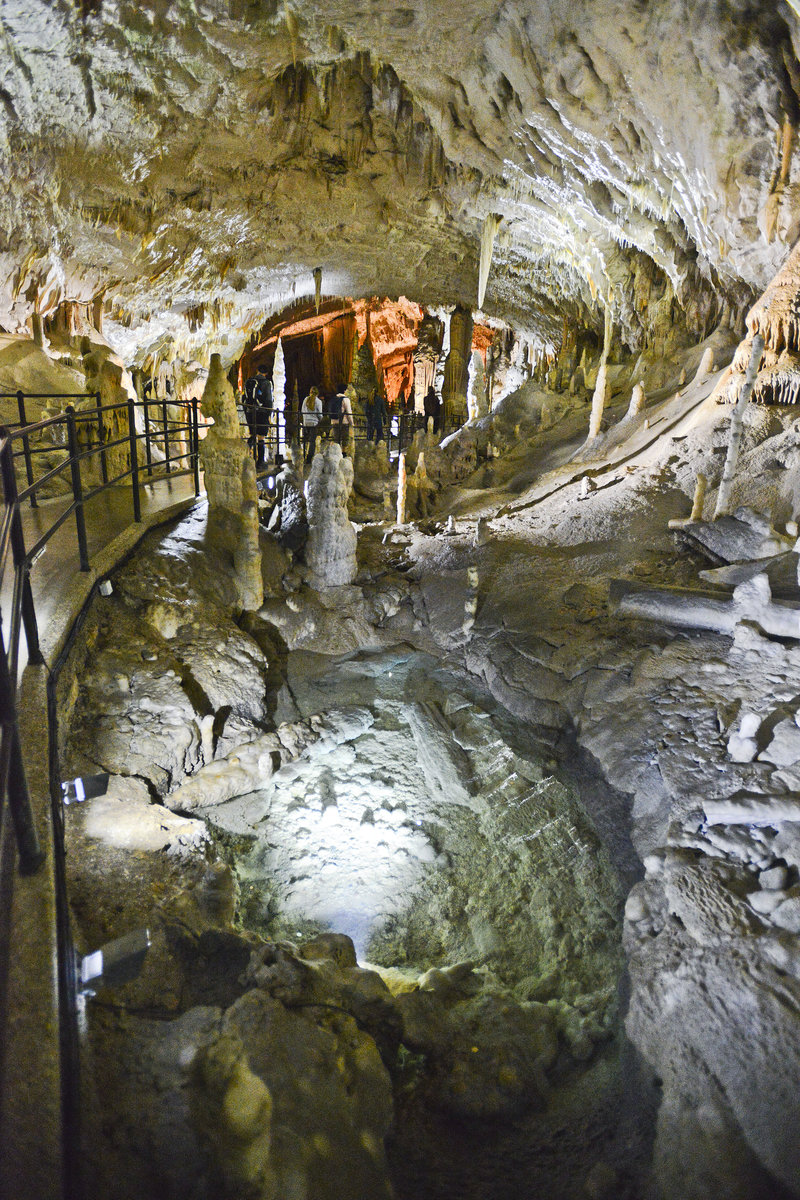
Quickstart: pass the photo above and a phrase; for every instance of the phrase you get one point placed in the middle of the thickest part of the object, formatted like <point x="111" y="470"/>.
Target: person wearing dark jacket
<point x="261" y="415"/>
<point x="432" y="407"/>
<point x="376" y="414"/>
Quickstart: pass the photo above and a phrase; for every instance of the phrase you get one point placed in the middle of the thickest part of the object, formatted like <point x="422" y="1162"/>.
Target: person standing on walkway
<point x="250" y="406"/>
<point x="311" y="415"/>
<point x="346" y="421"/>
<point x="432" y="408"/>
<point x="377" y="415"/>
<point x="263" y="412"/>
<point x="335" y="416"/>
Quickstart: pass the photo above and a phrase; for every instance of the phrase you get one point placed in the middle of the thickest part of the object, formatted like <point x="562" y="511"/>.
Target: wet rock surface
<point x="488" y="932"/>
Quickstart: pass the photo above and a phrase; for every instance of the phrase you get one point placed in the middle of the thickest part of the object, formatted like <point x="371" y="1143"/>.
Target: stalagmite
<point x="476" y="389"/>
<point x="401" y="488"/>
<point x="426" y="357"/>
<point x="423" y="487"/>
<point x="638" y="401"/>
<point x="37" y="327"/>
<point x="735" y="431"/>
<point x="471" y="600"/>
<point x="491" y="224"/>
<point x="601" y="387"/>
<point x="331" y="545"/>
<point x="230" y="479"/>
<point x="279" y="393"/>
<point x="454" y="388"/>
<point x="706" y="365"/>
<point x="699" y="498"/>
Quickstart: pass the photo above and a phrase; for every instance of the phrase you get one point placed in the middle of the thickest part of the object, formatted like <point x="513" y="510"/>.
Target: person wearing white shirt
<point x="345" y="420"/>
<point x="311" y="415"/>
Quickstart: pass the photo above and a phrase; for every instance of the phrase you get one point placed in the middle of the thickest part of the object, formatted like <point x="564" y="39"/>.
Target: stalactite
<point x="491" y="224"/>
<point x="317" y="287"/>
<point x="292" y="28"/>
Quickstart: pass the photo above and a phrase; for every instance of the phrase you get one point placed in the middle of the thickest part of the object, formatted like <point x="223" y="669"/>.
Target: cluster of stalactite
<point x="775" y="317"/>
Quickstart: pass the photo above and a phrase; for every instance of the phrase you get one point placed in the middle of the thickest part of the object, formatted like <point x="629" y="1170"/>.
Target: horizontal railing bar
<point x="34" y="551"/>
<point x="5" y="533"/>
<point x="46" y="395"/>
<point x="51" y="474"/>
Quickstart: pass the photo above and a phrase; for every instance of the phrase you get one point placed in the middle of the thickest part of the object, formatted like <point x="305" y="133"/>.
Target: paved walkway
<point x="57" y="569"/>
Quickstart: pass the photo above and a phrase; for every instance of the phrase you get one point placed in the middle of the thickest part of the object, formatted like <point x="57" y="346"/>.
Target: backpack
<point x="263" y="392"/>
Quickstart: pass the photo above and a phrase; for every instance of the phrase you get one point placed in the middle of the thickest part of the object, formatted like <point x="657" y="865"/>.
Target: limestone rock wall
<point x="611" y="142"/>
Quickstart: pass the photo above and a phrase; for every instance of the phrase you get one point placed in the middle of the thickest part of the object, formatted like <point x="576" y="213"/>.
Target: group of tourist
<point x="332" y="415"/>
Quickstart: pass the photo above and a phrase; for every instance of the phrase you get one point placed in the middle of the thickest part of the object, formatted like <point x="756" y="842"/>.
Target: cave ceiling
<point x="191" y="157"/>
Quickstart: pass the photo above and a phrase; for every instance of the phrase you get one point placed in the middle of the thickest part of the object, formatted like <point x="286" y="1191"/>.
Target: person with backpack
<point x="250" y="405"/>
<point x="262" y="411"/>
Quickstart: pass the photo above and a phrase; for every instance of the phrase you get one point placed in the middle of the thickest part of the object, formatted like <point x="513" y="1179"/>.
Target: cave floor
<point x="632" y="715"/>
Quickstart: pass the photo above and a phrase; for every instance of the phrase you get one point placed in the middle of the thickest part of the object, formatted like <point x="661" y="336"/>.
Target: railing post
<point x="26" y="446"/>
<point x="166" y="436"/>
<point x="137" y="506"/>
<point x="148" y="456"/>
<point x="12" y="776"/>
<point x="101" y="433"/>
<point x="77" y="487"/>
<point x="9" y="481"/>
<point x="195" y="436"/>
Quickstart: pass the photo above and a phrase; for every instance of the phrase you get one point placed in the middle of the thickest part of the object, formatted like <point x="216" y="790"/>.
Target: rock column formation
<point x="456" y="368"/>
<point x="331" y="546"/>
<point x="426" y="356"/>
<point x="230" y="479"/>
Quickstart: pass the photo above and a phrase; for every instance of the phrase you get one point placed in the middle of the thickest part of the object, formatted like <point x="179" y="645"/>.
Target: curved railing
<point x="100" y="447"/>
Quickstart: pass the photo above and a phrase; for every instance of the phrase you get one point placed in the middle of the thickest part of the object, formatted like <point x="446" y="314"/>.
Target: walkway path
<point x="57" y="570"/>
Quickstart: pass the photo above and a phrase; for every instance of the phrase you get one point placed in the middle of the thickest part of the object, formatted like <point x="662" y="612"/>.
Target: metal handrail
<point x="408" y="424"/>
<point x="15" y="797"/>
<point x="13" y="788"/>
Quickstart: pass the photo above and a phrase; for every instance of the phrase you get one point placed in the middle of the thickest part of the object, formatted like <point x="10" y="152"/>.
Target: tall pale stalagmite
<point x="476" y="393"/>
<point x="279" y="392"/>
<point x="401" y="488"/>
<point x="601" y="386"/>
<point x="230" y="478"/>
